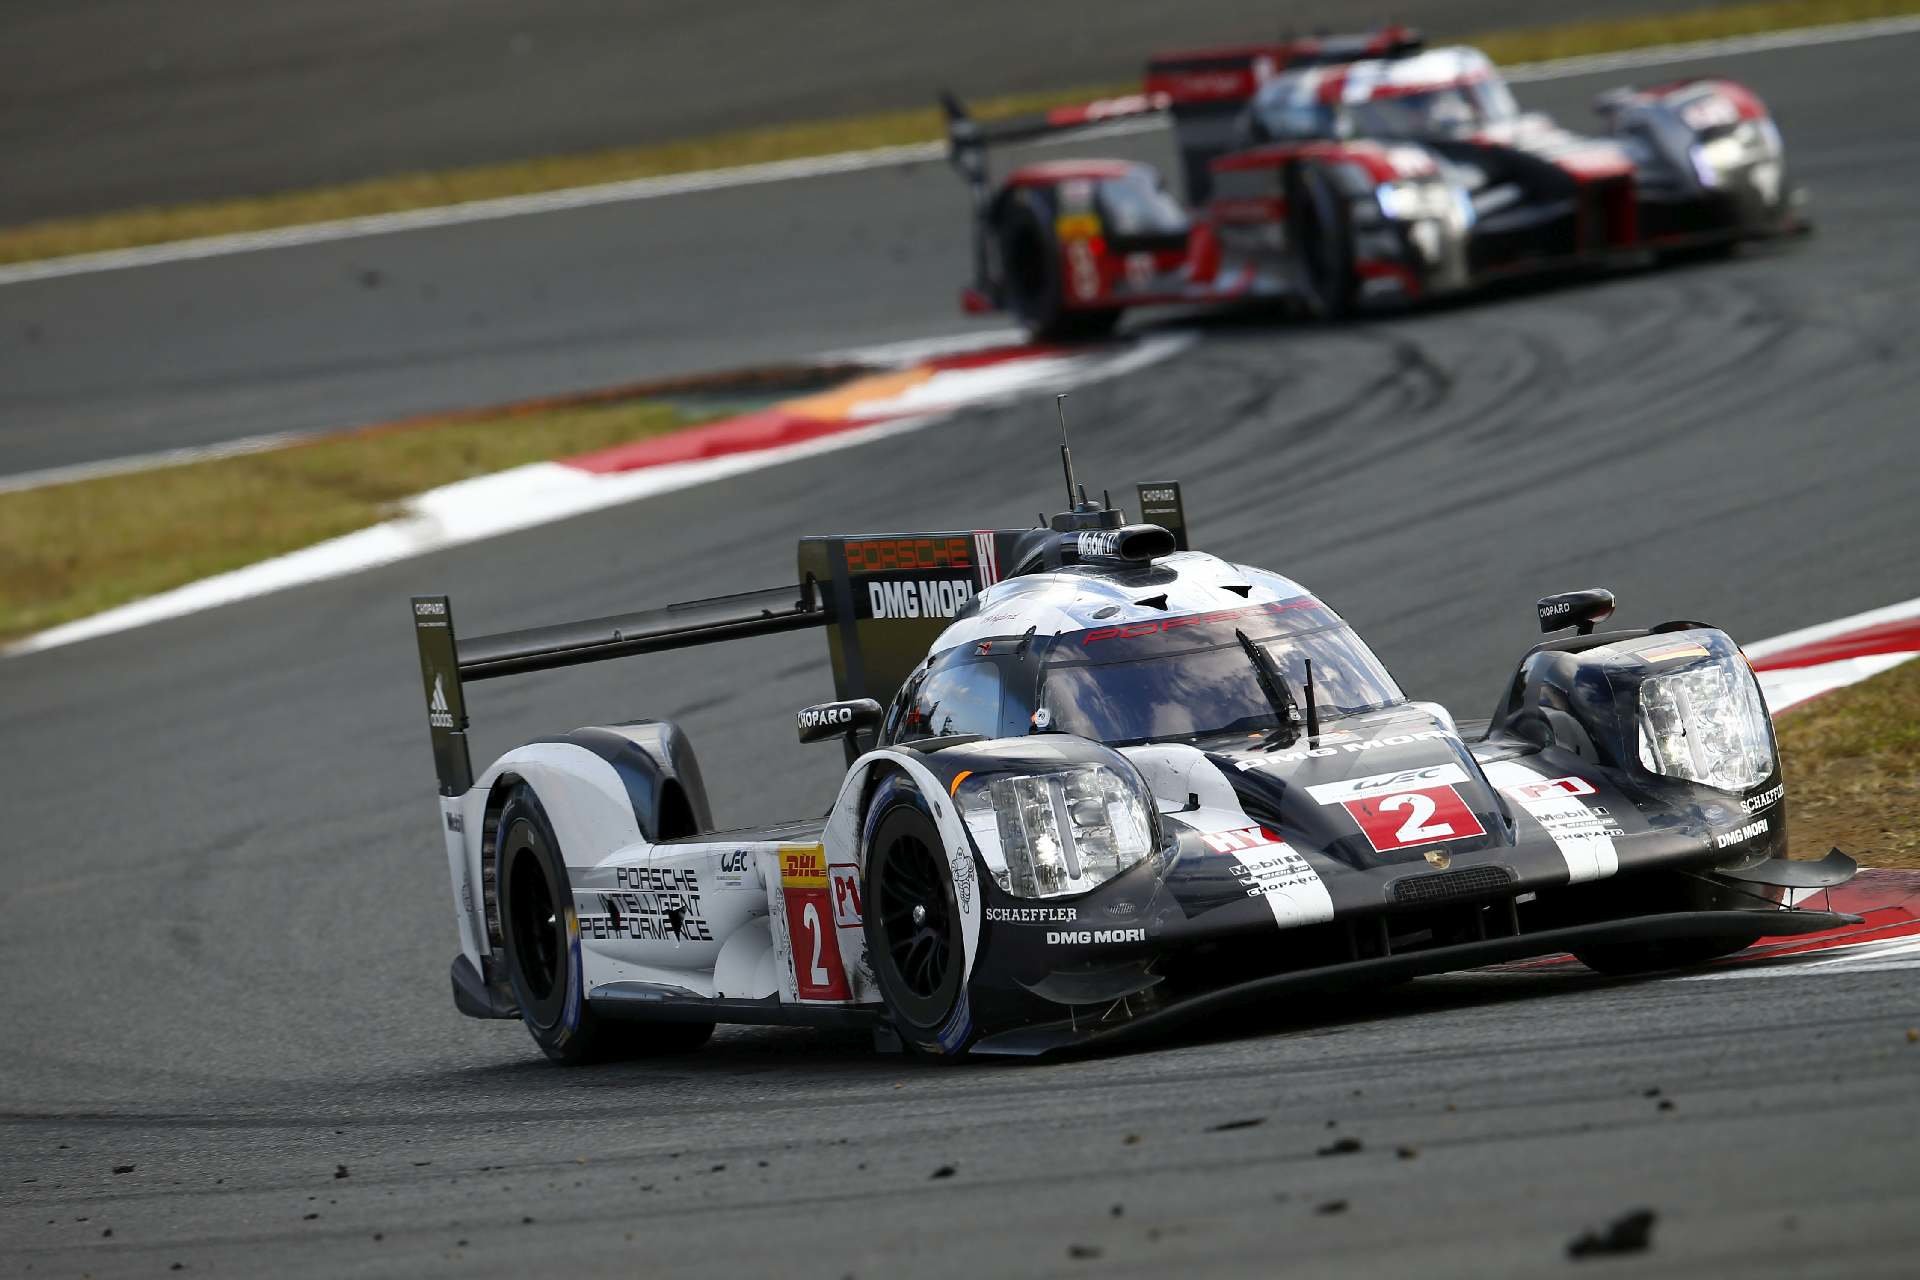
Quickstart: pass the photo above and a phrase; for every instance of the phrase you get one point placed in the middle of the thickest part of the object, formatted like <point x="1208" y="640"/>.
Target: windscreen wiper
<point x="1274" y="686"/>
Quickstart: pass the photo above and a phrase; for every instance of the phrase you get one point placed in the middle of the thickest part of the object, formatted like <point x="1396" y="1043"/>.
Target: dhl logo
<point x="803" y="866"/>
<point x="1077" y="226"/>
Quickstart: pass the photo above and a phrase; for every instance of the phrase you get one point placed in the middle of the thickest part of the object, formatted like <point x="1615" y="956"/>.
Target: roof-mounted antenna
<point x="1066" y="454"/>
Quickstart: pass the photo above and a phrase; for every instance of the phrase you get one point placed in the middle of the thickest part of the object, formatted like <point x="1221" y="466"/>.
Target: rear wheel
<point x="1031" y="267"/>
<point x="914" y="939"/>
<point x="541" y="938"/>
<point x="1322" y="234"/>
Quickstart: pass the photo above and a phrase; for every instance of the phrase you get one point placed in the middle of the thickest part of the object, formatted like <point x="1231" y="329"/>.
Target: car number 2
<point x="1417" y="827"/>
<point x="816" y="972"/>
<point x="814" y="942"/>
<point x="1404" y="819"/>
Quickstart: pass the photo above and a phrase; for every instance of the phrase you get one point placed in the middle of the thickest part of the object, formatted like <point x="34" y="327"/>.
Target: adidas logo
<point x="439" y="714"/>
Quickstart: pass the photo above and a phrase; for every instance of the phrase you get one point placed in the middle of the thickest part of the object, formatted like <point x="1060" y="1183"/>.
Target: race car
<point x="1358" y="173"/>
<point x="1098" y="784"/>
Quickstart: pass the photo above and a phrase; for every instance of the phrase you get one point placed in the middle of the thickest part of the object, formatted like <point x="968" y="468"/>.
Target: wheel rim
<point x="913" y="917"/>
<point x="537" y="942"/>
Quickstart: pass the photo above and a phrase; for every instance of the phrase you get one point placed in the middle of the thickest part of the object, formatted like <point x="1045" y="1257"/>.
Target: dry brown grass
<point x="1852" y="764"/>
<point x="74" y="549"/>
<point x="61" y="237"/>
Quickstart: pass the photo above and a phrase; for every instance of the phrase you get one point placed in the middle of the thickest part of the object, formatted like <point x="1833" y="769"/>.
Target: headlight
<point x="1706" y="724"/>
<point x="1056" y="833"/>
<point x="1411" y="201"/>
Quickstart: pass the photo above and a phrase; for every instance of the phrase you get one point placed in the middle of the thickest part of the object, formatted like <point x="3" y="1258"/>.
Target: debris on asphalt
<point x="1229" y="1125"/>
<point x="944" y="1171"/>
<point x="308" y="1217"/>
<point x="1331" y="1207"/>
<point x="1629" y="1233"/>
<point x="1913" y="1035"/>
<point x="1119" y="1211"/>
<point x="1650" y="1093"/>
<point x="339" y="1171"/>
<point x="1340" y="1147"/>
<point x="1666" y="1104"/>
<point x="1082" y="1251"/>
<point x="123" y="1168"/>
<point x="1131" y="1139"/>
<point x="1406" y="1153"/>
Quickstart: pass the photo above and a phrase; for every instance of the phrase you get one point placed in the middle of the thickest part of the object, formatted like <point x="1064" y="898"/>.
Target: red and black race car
<point x="1355" y="172"/>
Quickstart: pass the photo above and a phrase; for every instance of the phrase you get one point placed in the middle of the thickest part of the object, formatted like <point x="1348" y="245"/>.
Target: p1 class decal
<point x="1269" y="869"/>
<point x="1409" y="819"/>
<point x="815" y="951"/>
<point x="1582" y="834"/>
<point x="846" y="895"/>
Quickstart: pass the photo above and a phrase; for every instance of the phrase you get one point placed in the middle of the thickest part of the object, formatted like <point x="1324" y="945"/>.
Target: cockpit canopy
<point x="1443" y="93"/>
<point x="1175" y="678"/>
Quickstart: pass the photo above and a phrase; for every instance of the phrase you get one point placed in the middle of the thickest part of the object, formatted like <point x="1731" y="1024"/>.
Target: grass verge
<point x="1852" y="764"/>
<point x="121" y="230"/>
<point x="70" y="550"/>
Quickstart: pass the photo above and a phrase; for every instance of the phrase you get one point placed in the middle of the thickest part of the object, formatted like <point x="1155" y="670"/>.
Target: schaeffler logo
<point x="439" y="714"/>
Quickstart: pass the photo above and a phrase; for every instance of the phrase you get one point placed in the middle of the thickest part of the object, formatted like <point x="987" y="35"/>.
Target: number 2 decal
<point x="816" y="972"/>
<point x="1415" y="828"/>
<point x="805" y="891"/>
<point x="1404" y="819"/>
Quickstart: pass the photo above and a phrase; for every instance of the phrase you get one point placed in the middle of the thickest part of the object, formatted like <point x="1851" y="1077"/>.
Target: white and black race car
<point x="1099" y="784"/>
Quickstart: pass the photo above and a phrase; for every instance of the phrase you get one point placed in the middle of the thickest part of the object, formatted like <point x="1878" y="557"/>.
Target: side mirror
<point x="1576" y="609"/>
<point x="838" y="719"/>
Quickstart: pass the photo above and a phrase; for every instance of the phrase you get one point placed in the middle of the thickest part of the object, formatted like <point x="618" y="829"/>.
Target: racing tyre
<point x="1627" y="959"/>
<point x="542" y="949"/>
<point x="914" y="938"/>
<point x="1031" y="265"/>
<point x="1322" y="234"/>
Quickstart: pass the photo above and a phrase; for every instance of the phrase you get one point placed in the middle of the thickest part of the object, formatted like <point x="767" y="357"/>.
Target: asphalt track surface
<point x="225" y="914"/>
<point x="338" y="335"/>
<point x="116" y="103"/>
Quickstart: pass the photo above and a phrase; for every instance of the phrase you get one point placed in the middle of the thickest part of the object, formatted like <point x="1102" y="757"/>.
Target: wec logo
<point x="1385" y="783"/>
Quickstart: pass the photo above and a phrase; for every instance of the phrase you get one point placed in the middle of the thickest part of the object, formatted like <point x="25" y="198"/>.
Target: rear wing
<point x="446" y="664"/>
<point x="883" y="599"/>
<point x="1203" y="90"/>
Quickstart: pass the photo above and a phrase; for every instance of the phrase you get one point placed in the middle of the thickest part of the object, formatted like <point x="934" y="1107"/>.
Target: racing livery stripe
<point x="1580" y="834"/>
<point x="1272" y="871"/>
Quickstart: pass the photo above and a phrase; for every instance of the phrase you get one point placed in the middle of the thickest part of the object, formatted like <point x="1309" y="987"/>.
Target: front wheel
<point x="1630" y="959"/>
<point x="1033" y="263"/>
<point x="914" y="937"/>
<point x="1321" y="229"/>
<point x="541" y="936"/>
<point x="1676" y="893"/>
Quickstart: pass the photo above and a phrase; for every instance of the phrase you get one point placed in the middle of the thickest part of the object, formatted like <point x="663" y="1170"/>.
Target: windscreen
<point x="1445" y="111"/>
<point x="1190" y="677"/>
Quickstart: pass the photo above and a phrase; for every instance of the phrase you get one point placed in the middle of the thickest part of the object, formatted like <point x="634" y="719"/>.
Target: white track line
<point x="127" y="464"/>
<point x="819" y="166"/>
<point x="544" y="492"/>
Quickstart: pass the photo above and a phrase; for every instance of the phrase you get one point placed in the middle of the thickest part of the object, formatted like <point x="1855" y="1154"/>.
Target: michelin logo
<point x="921" y="598"/>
